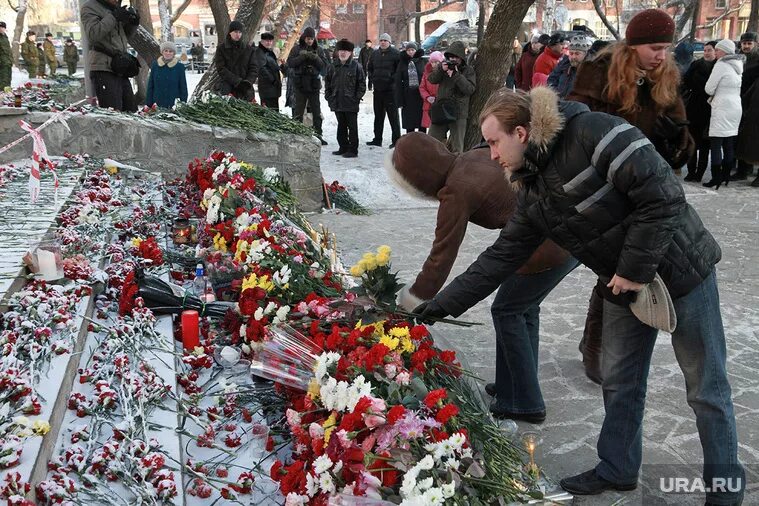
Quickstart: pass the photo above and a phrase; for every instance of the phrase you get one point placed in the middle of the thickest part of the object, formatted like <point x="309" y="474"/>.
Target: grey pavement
<point x="574" y="404"/>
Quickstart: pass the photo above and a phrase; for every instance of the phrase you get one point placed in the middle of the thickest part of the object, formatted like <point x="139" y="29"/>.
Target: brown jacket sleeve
<point x="452" y="220"/>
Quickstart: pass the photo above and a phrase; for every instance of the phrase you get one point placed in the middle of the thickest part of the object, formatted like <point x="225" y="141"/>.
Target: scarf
<point x="413" y="75"/>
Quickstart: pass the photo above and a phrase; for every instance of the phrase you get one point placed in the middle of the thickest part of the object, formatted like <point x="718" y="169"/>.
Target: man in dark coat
<point x="471" y="189"/>
<point x="382" y="68"/>
<point x="407" y="81"/>
<point x="698" y="110"/>
<point x="563" y="75"/>
<point x="344" y="87"/>
<point x="750" y="49"/>
<point x="236" y="63"/>
<point x="6" y="58"/>
<point x="596" y="186"/>
<point x="526" y="63"/>
<point x="307" y="62"/>
<point x="108" y="25"/>
<point x="363" y="59"/>
<point x="457" y="81"/>
<point x="269" y="73"/>
<point x="70" y="56"/>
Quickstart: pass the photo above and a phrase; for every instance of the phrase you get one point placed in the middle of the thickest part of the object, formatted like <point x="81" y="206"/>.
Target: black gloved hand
<point x="244" y="86"/>
<point x="134" y="16"/>
<point x="429" y="312"/>
<point x="121" y="14"/>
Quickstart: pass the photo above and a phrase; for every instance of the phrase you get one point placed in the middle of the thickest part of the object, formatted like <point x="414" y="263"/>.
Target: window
<point x="341" y="9"/>
<point x="359" y="8"/>
<point x="720" y="4"/>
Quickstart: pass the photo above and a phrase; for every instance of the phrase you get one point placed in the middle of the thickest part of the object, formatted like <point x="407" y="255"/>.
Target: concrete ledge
<point x="168" y="147"/>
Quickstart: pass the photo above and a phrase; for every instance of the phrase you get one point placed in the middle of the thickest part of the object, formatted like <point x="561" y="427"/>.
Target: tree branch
<point x="180" y="10"/>
<point x="417" y="15"/>
<point x="722" y="16"/>
<point x="604" y="19"/>
<point x="15" y="9"/>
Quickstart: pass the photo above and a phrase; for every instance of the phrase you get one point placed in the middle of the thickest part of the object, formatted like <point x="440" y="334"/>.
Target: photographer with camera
<point x="451" y="108"/>
<point x="236" y="63"/>
<point x="307" y="61"/>
<point x="108" y="24"/>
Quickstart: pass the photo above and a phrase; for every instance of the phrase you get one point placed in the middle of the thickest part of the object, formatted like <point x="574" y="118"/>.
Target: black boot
<point x="741" y="173"/>
<point x="589" y="483"/>
<point x="755" y="182"/>
<point x="716" y="179"/>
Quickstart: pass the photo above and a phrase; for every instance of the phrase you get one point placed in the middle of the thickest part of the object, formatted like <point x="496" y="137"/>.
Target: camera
<point x="451" y="64"/>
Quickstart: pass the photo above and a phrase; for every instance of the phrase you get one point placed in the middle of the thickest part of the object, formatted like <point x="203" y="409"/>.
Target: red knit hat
<point x="651" y="26"/>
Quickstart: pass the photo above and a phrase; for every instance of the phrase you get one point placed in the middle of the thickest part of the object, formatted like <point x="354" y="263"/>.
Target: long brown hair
<point x="624" y="72"/>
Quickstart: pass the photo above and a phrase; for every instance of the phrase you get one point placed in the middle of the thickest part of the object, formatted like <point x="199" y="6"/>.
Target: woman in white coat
<point x="724" y="87"/>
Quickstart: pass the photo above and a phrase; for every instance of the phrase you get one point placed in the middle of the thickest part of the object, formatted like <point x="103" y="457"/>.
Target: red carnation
<point x="395" y="413"/>
<point x="446" y="413"/>
<point x="433" y="397"/>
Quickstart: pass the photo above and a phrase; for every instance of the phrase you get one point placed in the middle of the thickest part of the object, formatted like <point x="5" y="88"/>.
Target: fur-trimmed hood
<point x="419" y="165"/>
<point x="548" y="116"/>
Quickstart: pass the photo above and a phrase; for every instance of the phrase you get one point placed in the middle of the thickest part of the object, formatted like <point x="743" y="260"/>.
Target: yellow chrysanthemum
<point x="329" y="426"/>
<point x="357" y="270"/>
<point x="407" y="346"/>
<point x="242" y="247"/>
<point x="383" y="260"/>
<point x="371" y="263"/>
<point x="136" y="241"/>
<point x="252" y="227"/>
<point x="384" y="250"/>
<point x="254" y="281"/>
<point x="40" y="427"/>
<point x="219" y="243"/>
<point x="400" y="332"/>
<point x="313" y="389"/>
<point x="391" y="342"/>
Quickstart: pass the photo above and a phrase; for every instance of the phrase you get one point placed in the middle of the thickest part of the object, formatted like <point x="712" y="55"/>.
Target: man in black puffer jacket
<point x="383" y="65"/>
<point x="307" y="61"/>
<point x="596" y="186"/>
<point x="236" y="63"/>
<point x="344" y="87"/>
<point x="269" y="76"/>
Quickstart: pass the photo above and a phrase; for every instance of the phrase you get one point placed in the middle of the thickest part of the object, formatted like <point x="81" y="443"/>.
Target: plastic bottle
<point x="199" y="283"/>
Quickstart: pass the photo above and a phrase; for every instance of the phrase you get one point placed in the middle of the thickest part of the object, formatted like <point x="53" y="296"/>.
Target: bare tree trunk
<point x="493" y="57"/>
<point x="221" y="18"/>
<point x="601" y="14"/>
<point x="694" y="21"/>
<point x="89" y="88"/>
<point x="753" y="17"/>
<point x="305" y="13"/>
<point x="165" y="16"/>
<point x="146" y="22"/>
<point x="178" y="13"/>
<point x="249" y="14"/>
<point x="145" y="44"/>
<point x="18" y="31"/>
<point x="481" y="21"/>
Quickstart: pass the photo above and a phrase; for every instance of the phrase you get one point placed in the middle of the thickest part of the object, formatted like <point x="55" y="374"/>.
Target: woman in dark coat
<point x="407" y="81"/>
<point x="167" y="82"/>
<point x="698" y="111"/>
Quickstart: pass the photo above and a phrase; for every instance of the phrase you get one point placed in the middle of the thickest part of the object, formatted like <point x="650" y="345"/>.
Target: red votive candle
<point x="190" y="330"/>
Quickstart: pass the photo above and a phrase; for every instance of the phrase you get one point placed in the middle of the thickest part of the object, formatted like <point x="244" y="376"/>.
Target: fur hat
<point x="344" y="45"/>
<point x="309" y="32"/>
<point x="750" y="37"/>
<point x="556" y="38"/>
<point x="651" y="26"/>
<point x="267" y="36"/>
<point x="386" y="36"/>
<point x="235" y="26"/>
<point x="411" y="45"/>
<point x="544" y="39"/>
<point x="168" y="45"/>
<point x="579" y="43"/>
<point x="726" y="45"/>
<point x="48" y="34"/>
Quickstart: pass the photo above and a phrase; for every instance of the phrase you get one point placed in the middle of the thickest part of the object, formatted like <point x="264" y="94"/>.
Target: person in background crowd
<point x="471" y="188"/>
<point x="382" y="67"/>
<point x="526" y="63"/>
<point x="698" y="111"/>
<point x="516" y="54"/>
<point x="457" y="83"/>
<point x="49" y="48"/>
<point x="427" y="90"/>
<point x="638" y="80"/>
<point x="30" y="54"/>
<point x="108" y="25"/>
<point x="70" y="56"/>
<point x="747" y="149"/>
<point x="308" y="61"/>
<point x="724" y="87"/>
<point x="407" y="81"/>
<point x="6" y="58"/>
<point x="269" y="73"/>
<point x="344" y="87"/>
<point x="167" y="82"/>
<point x="640" y="232"/>
<point x="562" y="77"/>
<point x="236" y="63"/>
<point x="363" y="59"/>
<point x="683" y="56"/>
<point x="41" y="58"/>
<point x="595" y="48"/>
<point x="547" y="60"/>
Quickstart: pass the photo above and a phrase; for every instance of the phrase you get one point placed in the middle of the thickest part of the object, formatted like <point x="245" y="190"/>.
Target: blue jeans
<point x="516" y="317"/>
<point x="699" y="343"/>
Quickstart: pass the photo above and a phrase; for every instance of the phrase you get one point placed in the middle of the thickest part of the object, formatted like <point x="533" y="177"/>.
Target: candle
<point x="190" y="330"/>
<point x="46" y="264"/>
